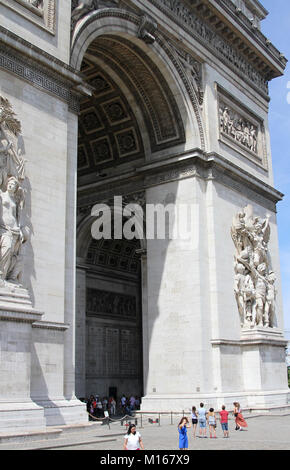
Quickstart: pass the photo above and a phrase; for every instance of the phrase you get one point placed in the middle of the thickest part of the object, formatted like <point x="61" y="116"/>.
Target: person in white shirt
<point x="133" y="440"/>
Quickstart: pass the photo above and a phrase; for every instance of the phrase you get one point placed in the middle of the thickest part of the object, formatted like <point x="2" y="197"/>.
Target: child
<point x="224" y="421"/>
<point x="211" y="423"/>
<point x="182" y="429"/>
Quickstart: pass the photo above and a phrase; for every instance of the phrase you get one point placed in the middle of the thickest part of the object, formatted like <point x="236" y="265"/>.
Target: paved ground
<point x="271" y="432"/>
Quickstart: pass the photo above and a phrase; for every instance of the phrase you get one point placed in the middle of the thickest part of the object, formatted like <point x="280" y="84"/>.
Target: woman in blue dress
<point x="182" y="429"/>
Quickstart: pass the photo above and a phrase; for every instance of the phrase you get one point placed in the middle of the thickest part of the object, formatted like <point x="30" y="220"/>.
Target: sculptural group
<point x="12" y="198"/>
<point x="254" y="285"/>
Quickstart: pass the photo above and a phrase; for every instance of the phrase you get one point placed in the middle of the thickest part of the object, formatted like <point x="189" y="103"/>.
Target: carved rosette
<point x="254" y="282"/>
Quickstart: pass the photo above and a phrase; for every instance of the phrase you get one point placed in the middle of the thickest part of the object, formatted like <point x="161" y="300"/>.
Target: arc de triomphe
<point x="156" y="104"/>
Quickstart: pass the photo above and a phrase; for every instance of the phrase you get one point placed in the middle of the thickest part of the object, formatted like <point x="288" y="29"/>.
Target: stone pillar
<point x="80" y="333"/>
<point x="178" y="309"/>
<point x="144" y="288"/>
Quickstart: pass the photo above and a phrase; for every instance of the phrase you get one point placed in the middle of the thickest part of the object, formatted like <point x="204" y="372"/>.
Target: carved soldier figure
<point x="261" y="289"/>
<point x="246" y="135"/>
<point x="253" y="139"/>
<point x="260" y="238"/>
<point x="269" y="310"/>
<point x="249" y="300"/>
<point x="239" y="287"/>
<point x="225" y="119"/>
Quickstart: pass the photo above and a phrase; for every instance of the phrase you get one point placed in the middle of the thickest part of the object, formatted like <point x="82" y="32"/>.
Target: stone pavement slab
<point x="271" y="432"/>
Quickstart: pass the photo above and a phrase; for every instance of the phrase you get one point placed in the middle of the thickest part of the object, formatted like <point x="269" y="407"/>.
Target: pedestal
<point x="17" y="410"/>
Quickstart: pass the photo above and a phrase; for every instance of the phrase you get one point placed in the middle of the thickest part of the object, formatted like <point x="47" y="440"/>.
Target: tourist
<point x="194" y="419"/>
<point x="123" y="402"/>
<point x="91" y="406"/>
<point x="224" y="421"/>
<point x="132" y="402"/>
<point x="112" y="406"/>
<point x="99" y="408"/>
<point x="133" y="440"/>
<point x="137" y="403"/>
<point x="128" y="410"/>
<point x="182" y="429"/>
<point x="211" y="423"/>
<point x="239" y="419"/>
<point x="105" y="403"/>
<point x="202" y="420"/>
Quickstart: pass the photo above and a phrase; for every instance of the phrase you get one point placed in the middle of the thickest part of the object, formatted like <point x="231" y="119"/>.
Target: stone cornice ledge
<point x="193" y="163"/>
<point x="21" y="315"/>
<point x="47" y="325"/>
<point x="249" y="342"/>
<point x="259" y="39"/>
<point x="255" y="337"/>
<point x="238" y="173"/>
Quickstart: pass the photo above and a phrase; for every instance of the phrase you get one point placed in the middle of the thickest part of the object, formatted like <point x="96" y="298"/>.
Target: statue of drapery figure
<point x="12" y="197"/>
<point x="86" y="6"/>
<point x="254" y="280"/>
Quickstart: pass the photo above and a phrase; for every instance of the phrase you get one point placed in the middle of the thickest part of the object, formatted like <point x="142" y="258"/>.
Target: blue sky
<point x="277" y="28"/>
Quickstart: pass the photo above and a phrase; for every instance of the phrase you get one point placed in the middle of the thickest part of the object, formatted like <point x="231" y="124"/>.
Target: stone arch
<point x="111" y="24"/>
<point x="84" y="236"/>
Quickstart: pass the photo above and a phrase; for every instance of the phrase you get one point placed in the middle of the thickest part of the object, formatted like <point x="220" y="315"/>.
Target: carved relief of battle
<point x="238" y="128"/>
<point x="241" y="129"/>
<point x="13" y="232"/>
<point x="254" y="284"/>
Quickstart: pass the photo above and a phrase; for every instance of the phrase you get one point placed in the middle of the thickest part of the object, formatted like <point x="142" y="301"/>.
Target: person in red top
<point x="224" y="421"/>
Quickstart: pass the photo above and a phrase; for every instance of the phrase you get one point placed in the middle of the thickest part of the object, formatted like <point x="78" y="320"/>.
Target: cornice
<point x="45" y="325"/>
<point x="250" y="342"/>
<point x="224" y="23"/>
<point x="194" y="163"/>
<point x="258" y="39"/>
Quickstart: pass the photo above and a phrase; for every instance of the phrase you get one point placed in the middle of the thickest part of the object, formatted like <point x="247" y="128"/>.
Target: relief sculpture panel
<point x="241" y="129"/>
<point x="106" y="303"/>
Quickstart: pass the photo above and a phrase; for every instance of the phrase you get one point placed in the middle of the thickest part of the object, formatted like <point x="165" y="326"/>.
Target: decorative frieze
<point x="27" y="70"/>
<point x="198" y="28"/>
<point x="103" y="303"/>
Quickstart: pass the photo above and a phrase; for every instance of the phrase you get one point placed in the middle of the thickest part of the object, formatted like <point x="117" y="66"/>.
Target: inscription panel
<point x="112" y="351"/>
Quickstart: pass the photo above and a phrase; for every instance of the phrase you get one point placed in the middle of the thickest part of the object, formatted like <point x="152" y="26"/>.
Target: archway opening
<point x="131" y="118"/>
